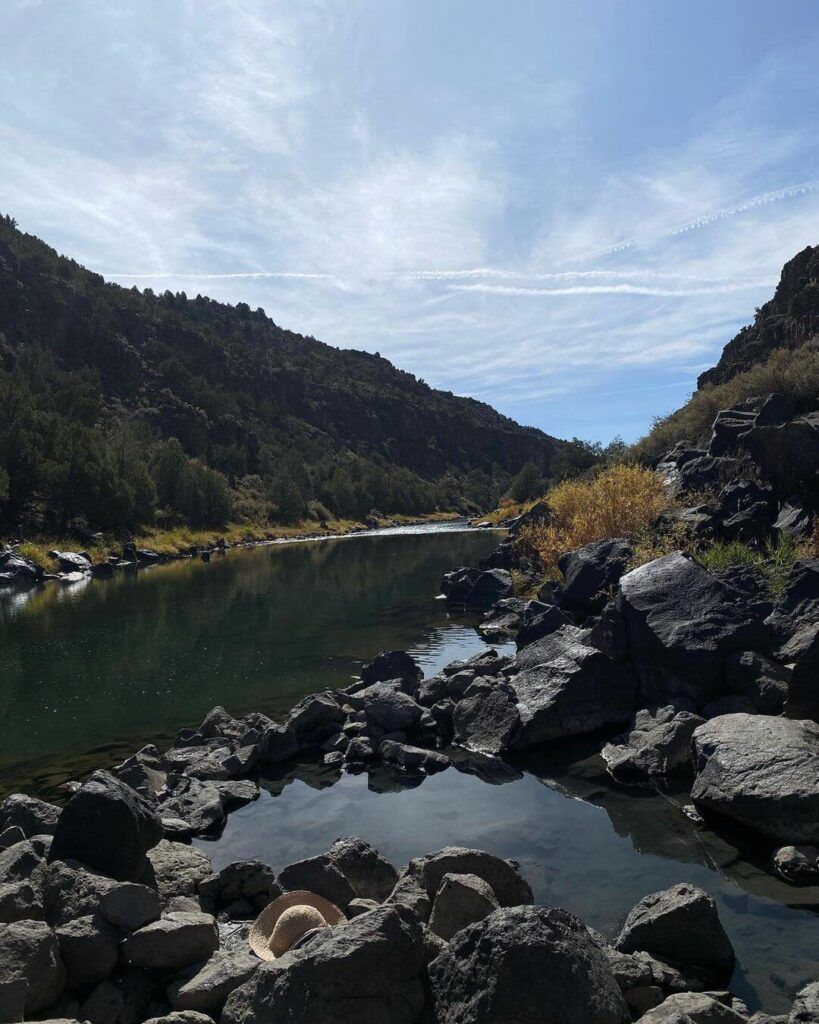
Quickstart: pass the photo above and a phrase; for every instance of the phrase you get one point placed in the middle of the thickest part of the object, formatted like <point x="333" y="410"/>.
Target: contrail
<point x="763" y="199"/>
<point x="213" y="277"/>
<point x="613" y="289"/>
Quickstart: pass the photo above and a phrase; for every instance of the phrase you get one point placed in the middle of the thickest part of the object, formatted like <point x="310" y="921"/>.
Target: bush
<point x="622" y="501"/>
<point x="793" y="372"/>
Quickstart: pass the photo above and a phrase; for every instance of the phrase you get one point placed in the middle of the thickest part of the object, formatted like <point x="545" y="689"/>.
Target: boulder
<point x="795" y="518"/>
<point x="539" y="513"/>
<point x="177" y="869"/>
<point x="590" y="571"/>
<point x="71" y="561"/>
<point x="130" y="906"/>
<point x="35" y="817"/>
<point x="392" y="665"/>
<point x="408" y="892"/>
<point x="658" y="744"/>
<point x="20" y="901"/>
<point x="176" y="940"/>
<point x="680" y="925"/>
<point x="320" y="875"/>
<point x="799" y="864"/>
<point x="525" y="964"/>
<point x="248" y="880"/>
<point x="13" y="993"/>
<point x="21" y="861"/>
<point x="89" y="947"/>
<point x="11" y="836"/>
<point x="198" y="803"/>
<point x="490" y="586"/>
<point x="371" y="875"/>
<point x="456" y="585"/>
<point x="14" y="569"/>
<point x="540" y="620"/>
<point x="487" y="720"/>
<point x="692" y="1008"/>
<point x="389" y="709"/>
<point x="460" y="900"/>
<point x="412" y="759"/>
<point x="278" y="743"/>
<point x="107" y="826"/>
<point x="29" y="951"/>
<point x="787" y="454"/>
<point x="367" y="971"/>
<point x="698" y="522"/>
<point x="566" y="688"/>
<point x="681" y="624"/>
<point x="805" y="1009"/>
<point x="314" y="719"/>
<point x="803" y="687"/>
<point x="761" y="771"/>
<point x="146" y="771"/>
<point x="798" y="603"/>
<point x="181" y="1017"/>
<point x="504" y="618"/>
<point x="503" y="876"/>
<point x="206" y="987"/>
<point x="764" y="681"/>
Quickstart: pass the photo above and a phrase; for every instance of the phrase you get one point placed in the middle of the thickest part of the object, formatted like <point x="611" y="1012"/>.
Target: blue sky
<point x="564" y="209"/>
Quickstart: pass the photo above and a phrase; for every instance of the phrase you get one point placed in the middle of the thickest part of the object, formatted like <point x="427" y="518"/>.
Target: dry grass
<point x="792" y="372"/>
<point x="621" y="501"/>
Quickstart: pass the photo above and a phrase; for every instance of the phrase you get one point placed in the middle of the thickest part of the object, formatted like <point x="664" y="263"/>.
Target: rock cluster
<point x="451" y="937"/>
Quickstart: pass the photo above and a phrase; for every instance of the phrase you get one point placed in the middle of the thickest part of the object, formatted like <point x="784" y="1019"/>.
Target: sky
<point x="563" y="209"/>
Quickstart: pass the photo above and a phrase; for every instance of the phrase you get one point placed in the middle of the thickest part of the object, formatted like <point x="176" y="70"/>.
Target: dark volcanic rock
<point x="795" y="518"/>
<point x="799" y="601"/>
<point x="413" y="758"/>
<point x="248" y="880"/>
<point x="487" y="720"/>
<point x="490" y="586"/>
<point x="761" y="771"/>
<point x="680" y="925"/>
<point x="29" y="951"/>
<point x="18" y="570"/>
<point x="367" y="972"/>
<point x="107" y="826"/>
<point x="502" y="875"/>
<point x="393" y="665"/>
<point x="35" y="817"/>
<point x="525" y="964"/>
<point x="371" y="875"/>
<point x="320" y="875"/>
<point x="788" y="453"/>
<point x="539" y="620"/>
<point x="198" y="803"/>
<point x="658" y="744"/>
<point x="567" y="688"/>
<point x="456" y="585"/>
<point x="681" y="624"/>
<point x="590" y="571"/>
<point x="764" y="681"/>
<point x="803" y="688"/>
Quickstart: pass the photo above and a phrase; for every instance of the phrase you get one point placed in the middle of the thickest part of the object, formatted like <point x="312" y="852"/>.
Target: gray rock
<point x="181" y="1017"/>
<point x="461" y="900"/>
<point x="566" y="688"/>
<point x="35" y="817"/>
<point x="392" y="665"/>
<point x="14" y="569"/>
<point x="388" y="709"/>
<point x="803" y="689"/>
<point x="71" y="891"/>
<point x="314" y="719"/>
<point x="408" y="892"/>
<point x="797" y="863"/>
<point x="489" y="586"/>
<point x="205" y="988"/>
<point x="798" y="603"/>
<point x="146" y="771"/>
<point x="130" y="906"/>
<point x="682" y="623"/>
<point x="456" y="585"/>
<point x="13" y="992"/>
<point x="525" y="964"/>
<point x="357" y="907"/>
<point x="787" y="453"/>
<point x="320" y="875"/>
<point x="371" y="875"/>
<point x="590" y="571"/>
<point x="71" y="561"/>
<point x="21" y="862"/>
<point x="411" y="758"/>
<point x="176" y="940"/>
<point x="487" y="721"/>
<point x="367" y="971"/>
<point x="761" y="771"/>
<point x="198" y="803"/>
<point x="278" y="743"/>
<point x="502" y="875"/>
<point x="89" y="947"/>
<point x="764" y="681"/>
<point x="658" y="744"/>
<point x="105" y="1004"/>
<point x="249" y="880"/>
<point x="805" y="1009"/>
<point x="20" y="901"/>
<point x="795" y="519"/>
<point x="680" y="925"/>
<point x="178" y="869"/>
<point x="29" y="951"/>
<point x="692" y="1008"/>
<point x="540" y="620"/>
<point x="107" y="826"/>
<point x="11" y="836"/>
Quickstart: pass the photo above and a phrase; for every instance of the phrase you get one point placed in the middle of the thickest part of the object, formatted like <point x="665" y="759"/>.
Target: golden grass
<point x="621" y="501"/>
<point x="793" y="372"/>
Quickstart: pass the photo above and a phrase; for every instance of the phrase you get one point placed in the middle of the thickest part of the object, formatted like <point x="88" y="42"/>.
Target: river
<point x="90" y="673"/>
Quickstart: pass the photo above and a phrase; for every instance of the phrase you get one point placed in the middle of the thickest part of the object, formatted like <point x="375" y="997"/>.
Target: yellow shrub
<point x="621" y="501"/>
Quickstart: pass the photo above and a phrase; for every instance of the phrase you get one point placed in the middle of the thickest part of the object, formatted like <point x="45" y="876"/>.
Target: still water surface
<point x="87" y="675"/>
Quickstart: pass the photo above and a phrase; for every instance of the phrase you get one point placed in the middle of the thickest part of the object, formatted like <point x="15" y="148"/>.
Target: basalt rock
<point x="590" y="571"/>
<point x="762" y="771"/>
<point x="803" y="687"/>
<point x="503" y="876"/>
<point x="109" y="827"/>
<point x="764" y="681"/>
<point x="488" y="719"/>
<point x="798" y="603"/>
<point x="392" y="665"/>
<point x="177" y="869"/>
<point x="371" y="875"/>
<point x="15" y="569"/>
<point x="35" y="817"/>
<point x="176" y="940"/>
<point x="692" y="1008"/>
<point x="461" y="900"/>
<point x="368" y="971"/>
<point x="205" y="987"/>
<point x="540" y="620"/>
<point x="658" y="744"/>
<point x="412" y="758"/>
<point x="489" y="586"/>
<point x="525" y="964"/>
<point x="320" y="875"/>
<point x="30" y="952"/>
<point x="248" y="880"/>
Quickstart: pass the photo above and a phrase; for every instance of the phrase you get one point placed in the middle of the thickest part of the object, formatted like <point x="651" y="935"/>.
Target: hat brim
<point x="262" y="929"/>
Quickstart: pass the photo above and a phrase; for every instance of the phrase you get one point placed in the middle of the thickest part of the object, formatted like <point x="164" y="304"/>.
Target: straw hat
<point x="288" y="919"/>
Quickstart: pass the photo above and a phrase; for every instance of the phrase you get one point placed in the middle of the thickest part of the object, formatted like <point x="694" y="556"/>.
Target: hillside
<point x="778" y="352"/>
<point x="118" y="406"/>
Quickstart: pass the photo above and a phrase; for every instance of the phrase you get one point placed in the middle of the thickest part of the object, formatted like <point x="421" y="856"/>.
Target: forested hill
<point x="119" y="407"/>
